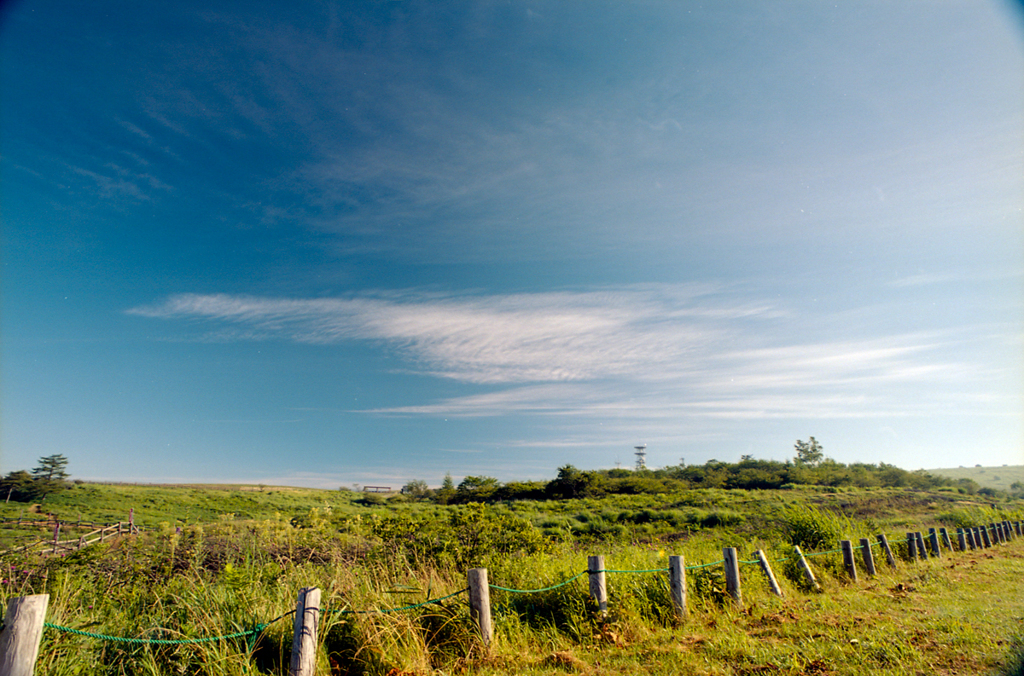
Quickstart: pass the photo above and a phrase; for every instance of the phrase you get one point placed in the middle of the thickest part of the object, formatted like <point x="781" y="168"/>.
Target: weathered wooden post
<point x="119" y="529"/>
<point x="969" y="534"/>
<point x="1016" y="527"/>
<point x="999" y="533"/>
<point x="677" y="584"/>
<point x="767" y="570"/>
<point x="933" y="539"/>
<point x="23" y="629"/>
<point x="946" y="542"/>
<point x="731" y="565"/>
<point x="984" y="536"/>
<point x="808" y="573"/>
<point x="961" y="539"/>
<point x="869" y="559"/>
<point x="480" y="603"/>
<point x="884" y="541"/>
<point x="307" y="613"/>
<point x="921" y="550"/>
<point x="598" y="586"/>
<point x="131" y="520"/>
<point x="851" y="565"/>
<point x="911" y="547"/>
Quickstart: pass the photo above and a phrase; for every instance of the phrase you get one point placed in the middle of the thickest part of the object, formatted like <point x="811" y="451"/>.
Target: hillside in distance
<point x="1000" y="478"/>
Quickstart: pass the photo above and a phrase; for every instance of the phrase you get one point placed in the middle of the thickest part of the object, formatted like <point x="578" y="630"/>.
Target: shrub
<point x="811" y="528"/>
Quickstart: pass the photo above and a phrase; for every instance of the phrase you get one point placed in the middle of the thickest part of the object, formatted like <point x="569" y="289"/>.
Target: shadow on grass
<point x="1015" y="662"/>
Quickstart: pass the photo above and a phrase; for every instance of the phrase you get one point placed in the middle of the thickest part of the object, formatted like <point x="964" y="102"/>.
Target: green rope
<point x="832" y="551"/>
<point x="649" y="570"/>
<point x="544" y="589"/>
<point x="395" y="610"/>
<point x="748" y="562"/>
<point x="705" y="565"/>
<point x="255" y="631"/>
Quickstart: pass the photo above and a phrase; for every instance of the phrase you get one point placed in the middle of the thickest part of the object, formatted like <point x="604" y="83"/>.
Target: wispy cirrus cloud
<point x="653" y="352"/>
<point x="516" y="338"/>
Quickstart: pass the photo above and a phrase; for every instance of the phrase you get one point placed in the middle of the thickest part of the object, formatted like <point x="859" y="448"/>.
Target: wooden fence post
<point x="911" y="547"/>
<point x="884" y="541"/>
<point x="945" y="539"/>
<point x="920" y="546"/>
<point x="933" y="539"/>
<point x="23" y="629"/>
<point x="598" y="587"/>
<point x="1016" y="526"/>
<point x="808" y="573"/>
<point x="767" y="570"/>
<point x="732" y="575"/>
<point x="307" y="612"/>
<point x="677" y="584"/>
<point x="961" y="539"/>
<point x="984" y="536"/>
<point x="851" y="565"/>
<point x="480" y="603"/>
<point x="869" y="559"/>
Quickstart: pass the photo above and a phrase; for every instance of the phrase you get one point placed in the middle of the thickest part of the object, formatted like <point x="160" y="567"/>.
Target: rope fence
<point x="24" y="621"/>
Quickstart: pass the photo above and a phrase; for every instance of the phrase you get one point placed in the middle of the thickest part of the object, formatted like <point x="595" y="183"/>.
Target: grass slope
<point x="1000" y="478"/>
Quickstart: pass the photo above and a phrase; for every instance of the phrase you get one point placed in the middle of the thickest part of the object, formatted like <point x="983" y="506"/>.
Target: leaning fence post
<point x="884" y="541"/>
<point x="677" y="584"/>
<point x="851" y="565"/>
<point x="1016" y="527"/>
<point x="869" y="559"/>
<point x="767" y="569"/>
<point x="307" y="612"/>
<point x="911" y="547"/>
<point x="808" y="573"/>
<point x="945" y="539"/>
<point x="598" y="586"/>
<point x="23" y="629"/>
<point x="732" y="575"/>
<point x="920" y="545"/>
<point x="480" y="603"/>
<point x="933" y="539"/>
<point x="961" y="539"/>
<point x="984" y="536"/>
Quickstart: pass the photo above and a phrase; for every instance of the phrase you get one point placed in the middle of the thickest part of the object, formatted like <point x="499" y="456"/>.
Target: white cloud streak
<point x="649" y="352"/>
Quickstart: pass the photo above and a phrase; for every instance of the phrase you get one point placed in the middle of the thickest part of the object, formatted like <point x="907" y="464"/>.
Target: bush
<point x="811" y="528"/>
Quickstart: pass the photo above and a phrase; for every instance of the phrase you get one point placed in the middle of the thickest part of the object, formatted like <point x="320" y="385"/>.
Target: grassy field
<point x="999" y="478"/>
<point x="220" y="561"/>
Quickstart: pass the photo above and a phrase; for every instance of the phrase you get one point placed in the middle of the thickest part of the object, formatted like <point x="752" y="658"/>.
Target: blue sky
<point x="324" y="244"/>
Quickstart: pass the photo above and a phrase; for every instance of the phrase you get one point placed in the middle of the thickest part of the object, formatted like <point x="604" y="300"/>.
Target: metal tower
<point x="641" y="457"/>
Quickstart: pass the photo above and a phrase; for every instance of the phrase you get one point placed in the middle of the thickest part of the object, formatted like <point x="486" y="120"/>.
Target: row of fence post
<point x="23" y="623"/>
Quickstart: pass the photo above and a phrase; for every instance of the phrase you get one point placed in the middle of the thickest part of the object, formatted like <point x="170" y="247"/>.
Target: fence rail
<point x="24" y="621"/>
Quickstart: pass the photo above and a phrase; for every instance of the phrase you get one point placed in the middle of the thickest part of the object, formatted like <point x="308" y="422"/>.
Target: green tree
<point x="809" y="452"/>
<point x="416" y="490"/>
<point x="51" y="468"/>
<point x="17" y="486"/>
<point x="446" y="493"/>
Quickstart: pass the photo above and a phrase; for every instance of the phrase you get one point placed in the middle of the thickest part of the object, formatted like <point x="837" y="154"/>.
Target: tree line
<point x="810" y="467"/>
<point x="50" y="476"/>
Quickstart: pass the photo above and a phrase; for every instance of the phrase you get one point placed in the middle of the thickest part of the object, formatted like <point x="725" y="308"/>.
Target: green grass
<point x="999" y="478"/>
<point x="245" y="563"/>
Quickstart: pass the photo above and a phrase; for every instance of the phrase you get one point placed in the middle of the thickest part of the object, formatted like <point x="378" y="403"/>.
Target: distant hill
<point x="987" y="477"/>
